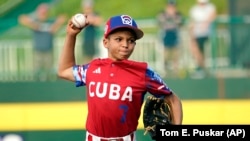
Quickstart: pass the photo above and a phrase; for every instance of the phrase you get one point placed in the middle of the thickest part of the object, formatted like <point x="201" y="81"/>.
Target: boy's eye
<point x="118" y="39"/>
<point x="132" y="41"/>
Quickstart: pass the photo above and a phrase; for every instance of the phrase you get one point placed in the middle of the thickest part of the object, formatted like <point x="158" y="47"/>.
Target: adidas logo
<point x="98" y="70"/>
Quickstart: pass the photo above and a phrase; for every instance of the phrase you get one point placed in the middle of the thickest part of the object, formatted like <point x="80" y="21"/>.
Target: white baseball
<point x="79" y="20"/>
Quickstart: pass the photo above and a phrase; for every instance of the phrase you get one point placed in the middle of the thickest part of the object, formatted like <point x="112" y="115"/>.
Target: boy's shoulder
<point x="124" y="63"/>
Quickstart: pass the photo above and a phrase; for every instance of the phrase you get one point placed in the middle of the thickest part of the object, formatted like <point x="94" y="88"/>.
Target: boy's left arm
<point x="175" y="108"/>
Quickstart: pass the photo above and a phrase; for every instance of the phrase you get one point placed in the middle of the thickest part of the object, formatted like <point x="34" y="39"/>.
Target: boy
<point x="115" y="85"/>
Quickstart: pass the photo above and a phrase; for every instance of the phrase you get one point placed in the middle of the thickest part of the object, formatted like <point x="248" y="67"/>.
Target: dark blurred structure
<point x="239" y="12"/>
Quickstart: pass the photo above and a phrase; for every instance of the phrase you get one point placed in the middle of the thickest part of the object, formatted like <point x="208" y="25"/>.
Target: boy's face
<point x="120" y="44"/>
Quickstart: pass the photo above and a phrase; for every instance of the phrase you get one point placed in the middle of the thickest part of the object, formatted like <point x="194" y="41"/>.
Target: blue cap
<point x="122" y="21"/>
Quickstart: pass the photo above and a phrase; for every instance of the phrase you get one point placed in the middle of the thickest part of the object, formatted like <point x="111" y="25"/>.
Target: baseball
<point x="79" y="20"/>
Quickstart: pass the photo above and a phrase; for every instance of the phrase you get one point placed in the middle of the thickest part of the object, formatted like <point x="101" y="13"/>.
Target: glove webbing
<point x="148" y="128"/>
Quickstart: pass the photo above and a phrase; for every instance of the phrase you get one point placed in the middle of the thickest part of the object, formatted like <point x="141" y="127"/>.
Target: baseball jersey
<point x="115" y="94"/>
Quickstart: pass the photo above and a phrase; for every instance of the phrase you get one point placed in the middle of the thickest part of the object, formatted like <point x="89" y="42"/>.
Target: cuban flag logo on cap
<point x="126" y="20"/>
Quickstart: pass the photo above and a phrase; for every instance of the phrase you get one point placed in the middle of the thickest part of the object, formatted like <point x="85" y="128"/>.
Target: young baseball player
<point x="115" y="86"/>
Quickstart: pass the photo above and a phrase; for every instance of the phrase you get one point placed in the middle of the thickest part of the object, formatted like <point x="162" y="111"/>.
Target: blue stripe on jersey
<point x="79" y="73"/>
<point x="153" y="76"/>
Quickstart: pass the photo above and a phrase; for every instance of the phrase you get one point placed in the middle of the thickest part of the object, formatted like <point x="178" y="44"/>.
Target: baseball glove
<point x="156" y="112"/>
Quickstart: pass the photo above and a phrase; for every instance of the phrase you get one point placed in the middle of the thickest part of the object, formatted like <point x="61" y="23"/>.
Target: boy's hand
<point x="73" y="30"/>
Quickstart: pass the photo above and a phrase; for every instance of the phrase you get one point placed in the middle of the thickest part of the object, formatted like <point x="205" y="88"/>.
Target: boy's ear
<point x="105" y="42"/>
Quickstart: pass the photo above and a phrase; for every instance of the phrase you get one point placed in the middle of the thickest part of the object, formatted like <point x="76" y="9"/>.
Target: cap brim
<point x="139" y="33"/>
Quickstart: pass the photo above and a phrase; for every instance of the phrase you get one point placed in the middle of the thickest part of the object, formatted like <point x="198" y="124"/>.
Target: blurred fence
<point x="16" y="53"/>
<point x="15" y="60"/>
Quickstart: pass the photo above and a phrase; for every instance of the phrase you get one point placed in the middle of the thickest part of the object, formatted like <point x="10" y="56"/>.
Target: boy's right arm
<point x="67" y="58"/>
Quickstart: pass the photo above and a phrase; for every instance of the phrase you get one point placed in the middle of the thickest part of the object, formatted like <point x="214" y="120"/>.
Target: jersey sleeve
<point x="155" y="84"/>
<point x="79" y="72"/>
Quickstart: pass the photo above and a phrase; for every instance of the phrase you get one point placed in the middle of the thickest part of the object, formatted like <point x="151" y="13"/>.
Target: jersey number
<point x="124" y="108"/>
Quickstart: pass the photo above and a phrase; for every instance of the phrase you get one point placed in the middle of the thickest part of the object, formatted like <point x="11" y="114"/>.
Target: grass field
<point x="72" y="115"/>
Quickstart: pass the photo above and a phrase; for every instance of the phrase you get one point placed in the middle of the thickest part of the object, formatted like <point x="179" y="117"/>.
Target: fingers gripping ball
<point x="156" y="112"/>
<point x="79" y="20"/>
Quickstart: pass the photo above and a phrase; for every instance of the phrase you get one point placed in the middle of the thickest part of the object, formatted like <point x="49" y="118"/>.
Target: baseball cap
<point x="122" y="21"/>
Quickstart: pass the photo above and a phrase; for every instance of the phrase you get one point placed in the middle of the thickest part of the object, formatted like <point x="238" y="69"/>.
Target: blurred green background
<point x="138" y="9"/>
<point x="135" y="8"/>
